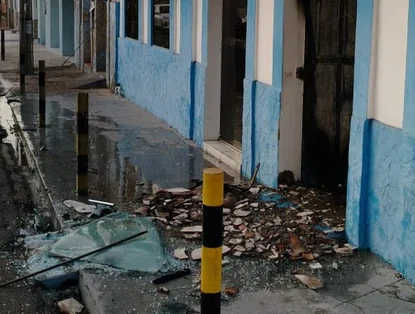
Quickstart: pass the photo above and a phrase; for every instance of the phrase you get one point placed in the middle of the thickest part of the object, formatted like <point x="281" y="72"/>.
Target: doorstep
<point x="225" y="155"/>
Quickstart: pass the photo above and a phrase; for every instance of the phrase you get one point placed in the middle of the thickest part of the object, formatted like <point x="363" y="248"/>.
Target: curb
<point x="33" y="164"/>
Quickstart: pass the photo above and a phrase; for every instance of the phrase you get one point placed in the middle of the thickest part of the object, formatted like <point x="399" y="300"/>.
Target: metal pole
<point x="22" y="47"/>
<point x="29" y="37"/>
<point x="42" y="94"/>
<point x="211" y="273"/>
<point x="3" y="49"/>
<point x="82" y="144"/>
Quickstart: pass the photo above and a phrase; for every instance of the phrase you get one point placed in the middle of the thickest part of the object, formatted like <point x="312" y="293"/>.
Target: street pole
<point x="22" y="46"/>
<point x="29" y="37"/>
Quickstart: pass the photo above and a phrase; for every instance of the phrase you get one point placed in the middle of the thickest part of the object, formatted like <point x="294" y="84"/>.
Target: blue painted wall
<point x="262" y="104"/>
<point x="169" y="85"/>
<point x="159" y="81"/>
<point x="381" y="184"/>
<point x="260" y="131"/>
<point x="391" y="197"/>
<point x="52" y="24"/>
<point x="360" y="129"/>
<point x="66" y="28"/>
<point x="41" y="22"/>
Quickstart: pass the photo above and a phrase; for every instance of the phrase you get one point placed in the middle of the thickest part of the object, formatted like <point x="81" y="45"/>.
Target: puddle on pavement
<point x="125" y="161"/>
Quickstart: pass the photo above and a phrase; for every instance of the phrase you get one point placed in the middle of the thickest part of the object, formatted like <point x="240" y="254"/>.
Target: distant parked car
<point x="162" y="15"/>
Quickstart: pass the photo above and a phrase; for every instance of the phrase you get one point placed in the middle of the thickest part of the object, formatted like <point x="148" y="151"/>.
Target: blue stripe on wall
<point x="409" y="116"/>
<point x="359" y="148"/>
<point x="261" y="109"/>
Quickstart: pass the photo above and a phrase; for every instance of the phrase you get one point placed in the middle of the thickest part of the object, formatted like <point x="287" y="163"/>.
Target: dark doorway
<point x="328" y="90"/>
<point x="233" y="70"/>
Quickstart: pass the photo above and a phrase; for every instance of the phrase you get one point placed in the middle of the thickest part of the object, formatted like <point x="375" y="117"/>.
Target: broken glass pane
<point x="144" y="253"/>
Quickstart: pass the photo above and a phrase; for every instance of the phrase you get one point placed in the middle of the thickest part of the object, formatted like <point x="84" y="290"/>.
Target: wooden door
<point x="328" y="89"/>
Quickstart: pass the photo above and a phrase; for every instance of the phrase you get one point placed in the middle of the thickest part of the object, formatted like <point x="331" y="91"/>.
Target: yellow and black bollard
<point x="211" y="274"/>
<point x="42" y="94"/>
<point x="82" y="144"/>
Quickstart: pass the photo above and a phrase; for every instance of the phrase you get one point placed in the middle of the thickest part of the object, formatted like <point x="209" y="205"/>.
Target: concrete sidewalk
<point x="131" y="153"/>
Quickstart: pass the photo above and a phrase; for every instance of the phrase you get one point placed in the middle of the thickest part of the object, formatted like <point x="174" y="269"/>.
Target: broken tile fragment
<point x="180" y="254"/>
<point x="238" y="222"/>
<point x="196" y="254"/>
<point x="192" y="229"/>
<point x="241" y="213"/>
<point x="192" y="236"/>
<point x="239" y="248"/>
<point x="180" y="217"/>
<point x="312" y="282"/>
<point x="179" y="191"/>
<point x="344" y="251"/>
<point x="70" y="306"/>
<point x="236" y="241"/>
<point x="315" y="266"/>
<point x="226" y="211"/>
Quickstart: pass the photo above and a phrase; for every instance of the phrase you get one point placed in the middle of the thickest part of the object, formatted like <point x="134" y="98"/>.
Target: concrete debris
<point x="179" y="191"/>
<point x="335" y="266"/>
<point x="241" y="213"/>
<point x="197" y="254"/>
<point x="254" y="190"/>
<point x="351" y="246"/>
<point x="344" y="251"/>
<point x="315" y="266"/>
<point x="256" y="220"/>
<point x="192" y="229"/>
<point x="313" y="283"/>
<point x="226" y="211"/>
<point x="180" y="254"/>
<point x="70" y="306"/>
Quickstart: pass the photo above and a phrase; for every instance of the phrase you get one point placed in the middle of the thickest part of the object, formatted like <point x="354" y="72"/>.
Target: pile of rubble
<point x="297" y="223"/>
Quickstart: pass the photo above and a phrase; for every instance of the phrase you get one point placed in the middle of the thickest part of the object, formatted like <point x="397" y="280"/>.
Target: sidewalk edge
<point x="32" y="161"/>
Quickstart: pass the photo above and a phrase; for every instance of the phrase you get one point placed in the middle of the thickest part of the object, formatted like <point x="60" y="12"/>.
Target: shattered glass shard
<point x="144" y="253"/>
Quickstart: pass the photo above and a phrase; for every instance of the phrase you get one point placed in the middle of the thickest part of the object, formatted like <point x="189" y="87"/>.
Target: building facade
<point x="322" y="89"/>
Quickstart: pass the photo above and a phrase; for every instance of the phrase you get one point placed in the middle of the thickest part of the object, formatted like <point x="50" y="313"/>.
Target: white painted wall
<point x="291" y="121"/>
<point x="197" y="30"/>
<point x="122" y="18"/>
<point x="177" y="23"/>
<point x="213" y="70"/>
<point x="144" y="25"/>
<point x="264" y="40"/>
<point x="387" y="100"/>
